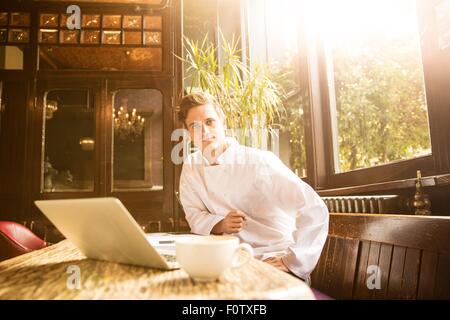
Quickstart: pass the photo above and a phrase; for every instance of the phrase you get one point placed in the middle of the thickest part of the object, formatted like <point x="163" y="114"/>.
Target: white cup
<point x="207" y="258"/>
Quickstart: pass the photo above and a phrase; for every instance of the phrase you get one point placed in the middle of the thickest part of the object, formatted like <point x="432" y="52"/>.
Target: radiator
<point x="366" y="204"/>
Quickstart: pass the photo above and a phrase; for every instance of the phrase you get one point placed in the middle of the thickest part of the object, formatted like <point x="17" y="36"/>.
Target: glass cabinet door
<point x="68" y="163"/>
<point x="137" y="140"/>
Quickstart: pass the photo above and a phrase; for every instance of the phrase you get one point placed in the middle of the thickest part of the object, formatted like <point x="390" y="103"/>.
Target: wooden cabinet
<point x="61" y="133"/>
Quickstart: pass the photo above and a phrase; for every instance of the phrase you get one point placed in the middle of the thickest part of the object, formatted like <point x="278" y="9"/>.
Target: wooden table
<point x="49" y="274"/>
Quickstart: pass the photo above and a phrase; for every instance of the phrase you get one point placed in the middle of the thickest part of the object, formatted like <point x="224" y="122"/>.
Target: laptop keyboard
<point x="170" y="257"/>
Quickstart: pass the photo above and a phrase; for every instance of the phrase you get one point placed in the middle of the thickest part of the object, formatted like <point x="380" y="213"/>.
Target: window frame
<point x="321" y="147"/>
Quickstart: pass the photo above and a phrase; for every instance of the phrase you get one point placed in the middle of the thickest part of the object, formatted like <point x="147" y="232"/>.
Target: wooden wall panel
<point x="317" y="275"/>
<point x="415" y="271"/>
<point x="427" y="278"/>
<point x="360" y="289"/>
<point x="442" y="284"/>
<point x="374" y="255"/>
<point x="13" y="154"/>
<point x="350" y="261"/>
<point x="411" y="271"/>
<point x="328" y="271"/>
<point x="396" y="272"/>
<point x="337" y="267"/>
<point x="384" y="262"/>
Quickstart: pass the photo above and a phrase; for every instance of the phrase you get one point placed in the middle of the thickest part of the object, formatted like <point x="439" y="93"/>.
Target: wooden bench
<point x="412" y="253"/>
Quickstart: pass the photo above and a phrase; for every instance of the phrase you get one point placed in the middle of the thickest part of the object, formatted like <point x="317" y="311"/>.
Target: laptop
<point x="103" y="229"/>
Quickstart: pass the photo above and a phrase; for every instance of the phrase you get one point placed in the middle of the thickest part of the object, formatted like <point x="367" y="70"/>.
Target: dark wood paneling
<point x="442" y="289"/>
<point x="384" y="262"/>
<point x="374" y="255"/>
<point x="350" y="262"/>
<point x="20" y="160"/>
<point x="427" y="278"/>
<point x="13" y="154"/>
<point x="360" y="288"/>
<point x="428" y="233"/>
<point x="411" y="266"/>
<point x="396" y="273"/>
<point x="328" y="271"/>
<point x="411" y="271"/>
<point x="317" y="275"/>
<point x="337" y="266"/>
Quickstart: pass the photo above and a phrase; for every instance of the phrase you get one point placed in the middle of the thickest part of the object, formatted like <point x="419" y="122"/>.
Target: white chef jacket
<point x="285" y="216"/>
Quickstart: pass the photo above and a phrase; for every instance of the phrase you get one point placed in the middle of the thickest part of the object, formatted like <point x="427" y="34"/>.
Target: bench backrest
<point x="411" y="252"/>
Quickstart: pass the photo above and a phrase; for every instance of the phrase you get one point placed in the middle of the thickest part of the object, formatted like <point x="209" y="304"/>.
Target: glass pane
<point x="132" y="37"/>
<point x="69" y="141"/>
<point x="283" y="57"/>
<point x="3" y="35"/>
<point x="20" y="19"/>
<point x="19" y="35"/>
<point x="132" y="22"/>
<point x="375" y="74"/>
<point x="11" y="58"/>
<point x="63" y="20"/>
<point x="48" y="20"/>
<point x="152" y="38"/>
<point x="138" y="140"/>
<point x="48" y="36"/>
<point x="90" y="21"/>
<point x="99" y="58"/>
<point x="112" y="21"/>
<point x="153" y="22"/>
<point x="69" y="36"/>
<point x="111" y="37"/>
<point x="3" y="18"/>
<point x="90" y="37"/>
<point x="277" y="45"/>
<point x="200" y="19"/>
<point x="442" y="18"/>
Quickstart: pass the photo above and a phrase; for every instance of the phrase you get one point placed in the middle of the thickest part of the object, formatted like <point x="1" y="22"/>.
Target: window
<point x="274" y="39"/>
<point x="199" y="19"/>
<point x="375" y="79"/>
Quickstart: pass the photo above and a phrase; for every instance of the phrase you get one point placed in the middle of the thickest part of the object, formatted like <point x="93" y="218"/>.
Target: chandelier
<point x="127" y="126"/>
<point x="51" y="107"/>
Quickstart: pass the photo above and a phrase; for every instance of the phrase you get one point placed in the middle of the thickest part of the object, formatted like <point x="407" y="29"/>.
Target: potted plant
<point x="252" y="102"/>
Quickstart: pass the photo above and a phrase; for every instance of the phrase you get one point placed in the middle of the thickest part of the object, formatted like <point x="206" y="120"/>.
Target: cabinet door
<point x="68" y="161"/>
<point x="137" y="144"/>
<point x="13" y="121"/>
<point x="139" y="171"/>
<point x="70" y="142"/>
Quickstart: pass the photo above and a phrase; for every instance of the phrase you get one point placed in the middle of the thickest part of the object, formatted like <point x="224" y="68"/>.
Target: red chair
<point x="16" y="239"/>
